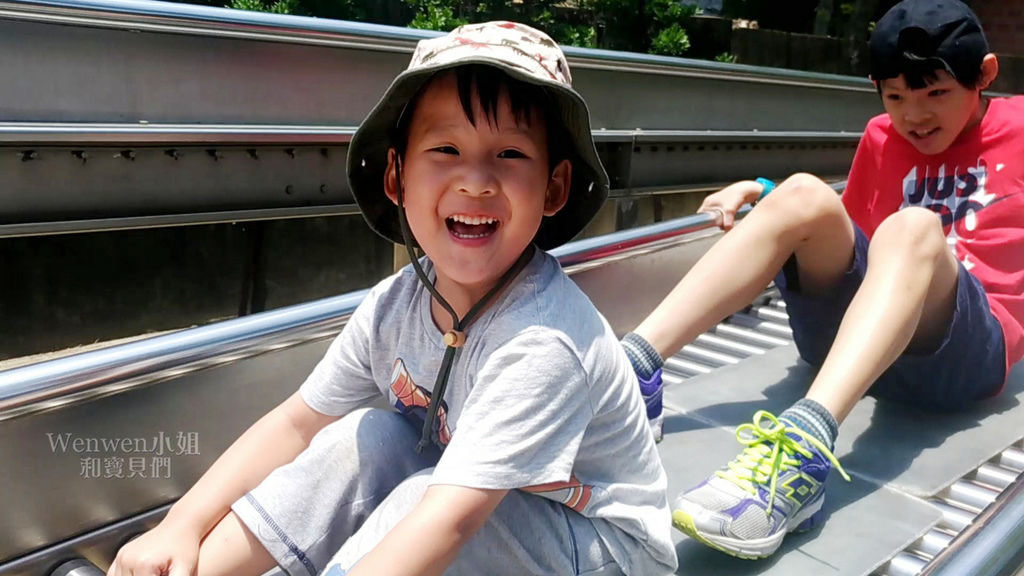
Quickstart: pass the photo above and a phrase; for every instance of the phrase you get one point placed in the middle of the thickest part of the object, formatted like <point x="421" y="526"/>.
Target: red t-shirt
<point x="977" y="185"/>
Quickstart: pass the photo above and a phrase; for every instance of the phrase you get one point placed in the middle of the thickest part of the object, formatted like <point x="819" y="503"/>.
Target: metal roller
<point x="774" y="328"/>
<point x="706" y="356"/>
<point x="953" y="518"/>
<point x="770" y="313"/>
<point x="971" y="495"/>
<point x="77" y="567"/>
<point x="686" y="367"/>
<point x="996" y="476"/>
<point x="728" y="346"/>
<point x="1012" y="458"/>
<point x="932" y="543"/>
<point x="748" y="335"/>
<point x="904" y="564"/>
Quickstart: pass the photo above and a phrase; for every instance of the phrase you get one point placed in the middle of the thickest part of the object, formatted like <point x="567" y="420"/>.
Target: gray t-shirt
<point x="540" y="398"/>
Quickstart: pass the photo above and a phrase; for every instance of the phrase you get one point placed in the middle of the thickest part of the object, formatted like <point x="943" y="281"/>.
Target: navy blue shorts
<point x="969" y="364"/>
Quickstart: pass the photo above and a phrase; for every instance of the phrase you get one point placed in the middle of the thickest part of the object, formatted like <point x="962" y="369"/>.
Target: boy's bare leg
<point x="803" y="216"/>
<point x="907" y="297"/>
<point x="231" y="549"/>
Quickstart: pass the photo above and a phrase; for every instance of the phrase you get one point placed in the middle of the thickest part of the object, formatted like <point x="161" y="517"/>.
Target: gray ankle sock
<point x="644" y="358"/>
<point x="814" y="419"/>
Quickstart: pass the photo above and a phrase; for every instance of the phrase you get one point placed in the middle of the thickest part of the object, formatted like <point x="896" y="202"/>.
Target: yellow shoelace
<point x="768" y="450"/>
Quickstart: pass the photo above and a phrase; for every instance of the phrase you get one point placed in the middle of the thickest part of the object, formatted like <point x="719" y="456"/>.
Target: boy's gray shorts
<point x="361" y="475"/>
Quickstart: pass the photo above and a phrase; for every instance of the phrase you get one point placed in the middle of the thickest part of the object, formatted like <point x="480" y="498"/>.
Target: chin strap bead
<point x="454" y="338"/>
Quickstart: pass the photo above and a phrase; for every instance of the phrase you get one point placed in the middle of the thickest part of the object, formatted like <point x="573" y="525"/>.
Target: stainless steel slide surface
<point x="847" y="544"/>
<point x="178" y="403"/>
<point x="907" y="465"/>
<point x="916" y="452"/>
<point x="156" y="113"/>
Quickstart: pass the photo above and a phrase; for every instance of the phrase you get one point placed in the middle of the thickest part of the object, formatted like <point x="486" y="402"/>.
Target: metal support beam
<point x="130" y="110"/>
<point x="57" y="178"/>
<point x="133" y="61"/>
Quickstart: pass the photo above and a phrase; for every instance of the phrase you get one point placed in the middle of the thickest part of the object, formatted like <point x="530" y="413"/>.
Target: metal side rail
<point x="177" y="380"/>
<point x="48" y="385"/>
<point x="982" y="528"/>
<point x="991" y="545"/>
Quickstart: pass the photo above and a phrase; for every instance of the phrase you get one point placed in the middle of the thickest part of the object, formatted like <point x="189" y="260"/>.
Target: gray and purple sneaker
<point x="652" y="389"/>
<point x="774" y="487"/>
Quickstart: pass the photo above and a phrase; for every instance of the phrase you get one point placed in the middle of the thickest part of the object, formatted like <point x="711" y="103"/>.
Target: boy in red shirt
<point x="910" y="287"/>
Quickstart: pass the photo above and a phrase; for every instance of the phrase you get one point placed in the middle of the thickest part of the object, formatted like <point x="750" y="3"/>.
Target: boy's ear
<point x="558" y="188"/>
<point x="989" y="71"/>
<point x="391" y="176"/>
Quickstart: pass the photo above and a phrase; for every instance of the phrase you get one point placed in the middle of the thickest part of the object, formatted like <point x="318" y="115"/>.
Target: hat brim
<point x="367" y="156"/>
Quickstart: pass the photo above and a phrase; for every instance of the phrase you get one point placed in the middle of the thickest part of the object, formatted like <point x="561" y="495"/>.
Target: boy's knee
<point x="402" y="500"/>
<point x="803" y="181"/>
<point x="805" y="198"/>
<point x="374" y="440"/>
<point x="915" y="229"/>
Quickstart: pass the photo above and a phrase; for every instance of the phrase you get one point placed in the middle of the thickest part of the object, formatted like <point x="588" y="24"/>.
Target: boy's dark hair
<point x="917" y="38"/>
<point x="529" y="102"/>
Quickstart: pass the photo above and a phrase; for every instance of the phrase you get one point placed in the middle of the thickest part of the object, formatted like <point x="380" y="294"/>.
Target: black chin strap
<point x="456" y="337"/>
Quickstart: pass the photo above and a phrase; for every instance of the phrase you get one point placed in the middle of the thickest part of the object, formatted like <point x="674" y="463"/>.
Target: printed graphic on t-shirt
<point x="957" y="194"/>
<point x="572" y="493"/>
<point x="413" y="401"/>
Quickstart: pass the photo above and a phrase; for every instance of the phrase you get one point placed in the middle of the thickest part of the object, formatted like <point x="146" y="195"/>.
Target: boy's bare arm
<point x="446" y="518"/>
<point x="725" y="203"/>
<point x="662" y="328"/>
<point x="275" y="439"/>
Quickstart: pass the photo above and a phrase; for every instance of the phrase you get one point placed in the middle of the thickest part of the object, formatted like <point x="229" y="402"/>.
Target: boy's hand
<point x="724" y="204"/>
<point x="163" y="551"/>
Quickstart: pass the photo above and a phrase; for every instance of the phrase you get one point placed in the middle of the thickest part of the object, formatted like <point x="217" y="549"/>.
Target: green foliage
<point x="277" y="7"/>
<point x="435" y="15"/>
<point x="573" y="28"/>
<point x="657" y="26"/>
<point x="253" y="5"/>
<point x="727" y="57"/>
<point x="667" y="19"/>
<point x="359" y="10"/>
<point x="585" y="36"/>
<point x="566" y="24"/>
<point x="391" y="12"/>
<point x="669" y="11"/>
<point x="671" y="41"/>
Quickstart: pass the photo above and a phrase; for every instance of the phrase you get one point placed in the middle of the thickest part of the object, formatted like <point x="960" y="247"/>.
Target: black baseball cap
<point x="917" y="37"/>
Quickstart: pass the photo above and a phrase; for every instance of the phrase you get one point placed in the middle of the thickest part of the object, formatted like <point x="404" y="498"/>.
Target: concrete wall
<point x="762" y="47"/>
<point x="64" y="291"/>
<point x="1003" y="21"/>
<point x="1004" y="24"/>
<point x="60" y="292"/>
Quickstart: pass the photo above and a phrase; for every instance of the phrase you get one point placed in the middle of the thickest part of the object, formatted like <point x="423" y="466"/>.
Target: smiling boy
<point x="910" y="287"/>
<point x="517" y="443"/>
<point x="474" y="237"/>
